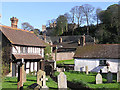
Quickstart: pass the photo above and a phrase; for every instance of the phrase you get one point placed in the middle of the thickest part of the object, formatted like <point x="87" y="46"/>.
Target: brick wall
<point x="63" y="56"/>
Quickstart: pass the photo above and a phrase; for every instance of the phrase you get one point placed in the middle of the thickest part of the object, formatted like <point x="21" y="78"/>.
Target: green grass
<point x="89" y="80"/>
<point x="65" y="61"/>
<point x="11" y="82"/>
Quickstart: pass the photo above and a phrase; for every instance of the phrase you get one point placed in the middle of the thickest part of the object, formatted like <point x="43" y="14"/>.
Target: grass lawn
<point x="65" y="61"/>
<point x="11" y="82"/>
<point x="89" y="80"/>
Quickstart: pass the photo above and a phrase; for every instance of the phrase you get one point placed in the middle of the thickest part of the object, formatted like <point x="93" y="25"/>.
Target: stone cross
<point x="41" y="79"/>
<point x="109" y="77"/>
<point x="98" y="78"/>
<point x="86" y="67"/>
<point x="62" y="81"/>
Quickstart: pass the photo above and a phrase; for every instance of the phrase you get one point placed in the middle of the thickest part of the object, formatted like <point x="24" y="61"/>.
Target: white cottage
<point x="20" y="44"/>
<point x="96" y="57"/>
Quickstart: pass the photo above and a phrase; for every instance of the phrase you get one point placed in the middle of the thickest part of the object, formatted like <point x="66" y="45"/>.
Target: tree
<point x="72" y="11"/>
<point x="79" y="14"/>
<point x="47" y="52"/>
<point x="36" y="31"/>
<point x="98" y="10"/>
<point x="27" y="26"/>
<point x="61" y="24"/>
<point x="87" y="11"/>
<point x="110" y="21"/>
<point x="69" y="18"/>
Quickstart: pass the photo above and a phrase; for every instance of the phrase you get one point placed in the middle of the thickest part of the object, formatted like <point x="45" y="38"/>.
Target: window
<point x="23" y="49"/>
<point x="102" y="63"/>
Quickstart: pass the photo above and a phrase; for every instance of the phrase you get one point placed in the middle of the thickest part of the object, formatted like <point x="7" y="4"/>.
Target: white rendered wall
<point x="31" y="50"/>
<point x="93" y="65"/>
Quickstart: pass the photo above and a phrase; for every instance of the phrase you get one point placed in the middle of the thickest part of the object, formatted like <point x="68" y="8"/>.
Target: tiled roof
<point x="21" y="37"/>
<point x="108" y="51"/>
<point x="27" y="56"/>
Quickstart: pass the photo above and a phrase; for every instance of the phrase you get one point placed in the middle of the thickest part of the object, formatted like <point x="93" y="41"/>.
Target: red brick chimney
<point x="82" y="40"/>
<point x="14" y="22"/>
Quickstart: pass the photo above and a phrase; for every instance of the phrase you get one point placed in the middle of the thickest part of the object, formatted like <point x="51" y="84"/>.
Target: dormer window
<point x="102" y="63"/>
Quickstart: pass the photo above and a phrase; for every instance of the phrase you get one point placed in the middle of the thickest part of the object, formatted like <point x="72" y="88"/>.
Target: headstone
<point x="86" y="67"/>
<point x="60" y="69"/>
<point x="54" y="65"/>
<point x="20" y="80"/>
<point x="23" y="74"/>
<point x="98" y="78"/>
<point x="118" y="73"/>
<point x="109" y="77"/>
<point x="41" y="79"/>
<point x="62" y="81"/>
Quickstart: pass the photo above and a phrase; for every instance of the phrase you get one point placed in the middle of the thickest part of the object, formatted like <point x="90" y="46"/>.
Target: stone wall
<point x="63" y="56"/>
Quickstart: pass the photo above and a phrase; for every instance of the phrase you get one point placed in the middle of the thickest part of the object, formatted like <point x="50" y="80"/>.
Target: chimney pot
<point x="14" y="22"/>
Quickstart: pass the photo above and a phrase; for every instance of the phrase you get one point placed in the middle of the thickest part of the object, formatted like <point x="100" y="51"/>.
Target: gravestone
<point x="23" y="74"/>
<point x="118" y="73"/>
<point x="98" y="78"/>
<point x="20" y="79"/>
<point x="109" y="77"/>
<point x="62" y="81"/>
<point x="41" y="79"/>
<point x="86" y="69"/>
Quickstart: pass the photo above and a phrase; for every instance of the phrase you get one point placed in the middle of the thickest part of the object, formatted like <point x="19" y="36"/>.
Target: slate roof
<point x="67" y="41"/>
<point x="21" y="37"/>
<point x="108" y="51"/>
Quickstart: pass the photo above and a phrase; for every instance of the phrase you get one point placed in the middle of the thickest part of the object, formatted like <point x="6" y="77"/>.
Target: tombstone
<point x="20" y="79"/>
<point x="118" y="73"/>
<point x="62" y="81"/>
<point x="54" y="65"/>
<point x="41" y="79"/>
<point x="98" y="78"/>
<point x="60" y="69"/>
<point x="86" y="69"/>
<point x="109" y="77"/>
<point x="23" y="74"/>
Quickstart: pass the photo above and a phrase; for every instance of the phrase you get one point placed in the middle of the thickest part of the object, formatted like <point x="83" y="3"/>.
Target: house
<point x="96" y="57"/>
<point x="18" y="44"/>
<point x="66" y="45"/>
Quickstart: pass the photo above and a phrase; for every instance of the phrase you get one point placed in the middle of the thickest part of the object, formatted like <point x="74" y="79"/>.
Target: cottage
<point x="66" y="45"/>
<point x="97" y="57"/>
<point x="18" y="44"/>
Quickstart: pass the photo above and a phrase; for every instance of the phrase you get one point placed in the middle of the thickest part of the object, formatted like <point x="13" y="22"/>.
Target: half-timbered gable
<point x="24" y="44"/>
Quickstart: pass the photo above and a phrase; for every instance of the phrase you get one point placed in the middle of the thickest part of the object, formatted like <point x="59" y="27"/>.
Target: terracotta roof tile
<point x="21" y="37"/>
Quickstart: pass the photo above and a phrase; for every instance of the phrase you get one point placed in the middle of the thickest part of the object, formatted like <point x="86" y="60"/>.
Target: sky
<point x="38" y="13"/>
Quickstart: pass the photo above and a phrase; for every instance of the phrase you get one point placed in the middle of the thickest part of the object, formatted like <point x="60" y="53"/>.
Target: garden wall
<point x="63" y="56"/>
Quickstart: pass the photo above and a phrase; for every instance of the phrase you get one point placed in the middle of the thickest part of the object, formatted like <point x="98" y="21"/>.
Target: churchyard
<point x="64" y="80"/>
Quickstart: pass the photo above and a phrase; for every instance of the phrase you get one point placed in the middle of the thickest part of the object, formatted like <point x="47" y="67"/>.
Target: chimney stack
<point x="14" y="22"/>
<point x="60" y="40"/>
<point x="45" y="37"/>
<point x="82" y="40"/>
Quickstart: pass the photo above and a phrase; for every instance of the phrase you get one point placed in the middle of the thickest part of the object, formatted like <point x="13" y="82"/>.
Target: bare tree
<point x="27" y="26"/>
<point x="68" y="16"/>
<point x="87" y="11"/>
<point x="98" y="10"/>
<point x="79" y="14"/>
<point x="73" y="14"/>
